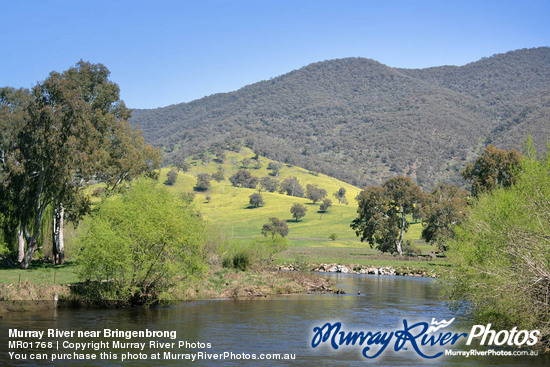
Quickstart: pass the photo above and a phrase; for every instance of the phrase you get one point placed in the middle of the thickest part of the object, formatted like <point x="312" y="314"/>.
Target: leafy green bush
<point x="138" y="242"/>
<point x="241" y="261"/>
<point x="500" y="254"/>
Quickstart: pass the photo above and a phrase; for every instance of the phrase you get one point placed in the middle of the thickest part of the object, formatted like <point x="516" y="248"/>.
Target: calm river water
<point x="280" y="324"/>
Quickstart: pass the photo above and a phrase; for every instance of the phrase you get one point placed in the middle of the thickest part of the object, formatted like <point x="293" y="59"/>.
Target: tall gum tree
<point x="382" y="211"/>
<point x="13" y="113"/>
<point x="404" y="194"/>
<point x="76" y="130"/>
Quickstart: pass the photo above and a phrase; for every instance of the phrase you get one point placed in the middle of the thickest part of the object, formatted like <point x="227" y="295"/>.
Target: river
<point x="279" y="324"/>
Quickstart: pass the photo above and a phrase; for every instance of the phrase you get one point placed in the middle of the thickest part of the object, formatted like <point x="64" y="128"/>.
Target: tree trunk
<point x="58" y="244"/>
<point x="399" y="243"/>
<point x="55" y="231"/>
<point x="39" y="208"/>
<point x="32" y="246"/>
<point x="21" y="246"/>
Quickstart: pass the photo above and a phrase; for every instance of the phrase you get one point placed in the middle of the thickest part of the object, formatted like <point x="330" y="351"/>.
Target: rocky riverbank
<point x="365" y="269"/>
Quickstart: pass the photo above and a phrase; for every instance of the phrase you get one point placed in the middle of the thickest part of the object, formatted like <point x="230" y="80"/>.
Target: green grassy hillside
<point x="228" y="209"/>
<point x="229" y="205"/>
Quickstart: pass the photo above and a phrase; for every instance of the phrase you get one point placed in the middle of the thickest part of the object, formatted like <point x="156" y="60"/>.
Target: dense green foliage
<point x="136" y="243"/>
<point x="501" y="254"/>
<point x="494" y="168"/>
<point x="364" y="122"/>
<point x="382" y="211"/>
<point x="445" y="207"/>
<point x="218" y="176"/>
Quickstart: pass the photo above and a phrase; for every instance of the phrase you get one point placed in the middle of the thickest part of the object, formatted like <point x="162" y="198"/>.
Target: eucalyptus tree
<point x="445" y="208"/>
<point x="494" y="168"/>
<point x="12" y="115"/>
<point x="298" y="211"/>
<point x="341" y="195"/>
<point x="314" y="193"/>
<point x="404" y="194"/>
<point x="382" y="213"/>
<point x="75" y="129"/>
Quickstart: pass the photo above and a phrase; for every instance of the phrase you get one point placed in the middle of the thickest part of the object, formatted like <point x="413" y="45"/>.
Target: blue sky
<point x="166" y="52"/>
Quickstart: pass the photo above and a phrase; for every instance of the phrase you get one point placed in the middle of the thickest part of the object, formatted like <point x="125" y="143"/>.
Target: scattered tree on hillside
<point x="171" y="177"/>
<point x="341" y="195"/>
<point x="256" y="200"/>
<point x="203" y="157"/>
<point x="417" y="212"/>
<point x="181" y="163"/>
<point x="187" y="197"/>
<point x="314" y="193"/>
<point x="243" y="178"/>
<point x="275" y="226"/>
<point x="274" y="167"/>
<point x="218" y="176"/>
<point x="220" y="154"/>
<point x="269" y="184"/>
<point x="246" y="162"/>
<point x="494" y="168"/>
<point x="203" y="182"/>
<point x="327" y="203"/>
<point x="298" y="211"/>
<point x="291" y="187"/>
<point x="445" y="208"/>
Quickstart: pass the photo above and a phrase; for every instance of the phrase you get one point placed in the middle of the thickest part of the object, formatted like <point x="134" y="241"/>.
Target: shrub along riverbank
<point x="35" y="292"/>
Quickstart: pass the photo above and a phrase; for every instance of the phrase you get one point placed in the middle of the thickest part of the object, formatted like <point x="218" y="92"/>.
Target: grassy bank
<point x="39" y="285"/>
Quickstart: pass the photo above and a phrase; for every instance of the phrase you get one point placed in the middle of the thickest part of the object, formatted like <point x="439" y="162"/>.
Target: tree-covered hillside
<point x="363" y="122"/>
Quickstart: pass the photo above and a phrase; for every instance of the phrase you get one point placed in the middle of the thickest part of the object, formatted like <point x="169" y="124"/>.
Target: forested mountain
<point x="361" y="121"/>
